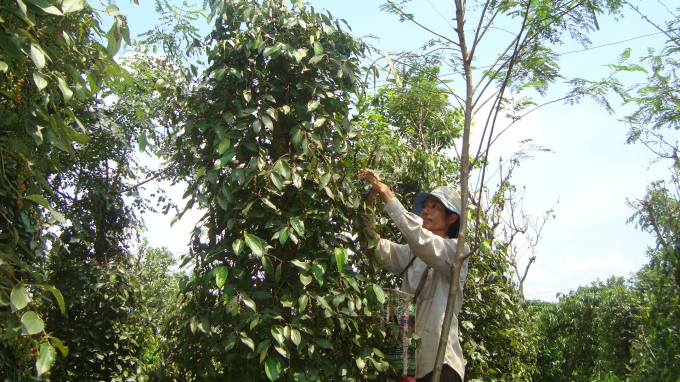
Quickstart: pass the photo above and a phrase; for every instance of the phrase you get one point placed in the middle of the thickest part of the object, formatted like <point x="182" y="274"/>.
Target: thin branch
<point x="159" y="173"/>
<point x="420" y="25"/>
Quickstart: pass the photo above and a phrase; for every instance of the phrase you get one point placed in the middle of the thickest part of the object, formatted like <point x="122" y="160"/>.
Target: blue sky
<point x="591" y="171"/>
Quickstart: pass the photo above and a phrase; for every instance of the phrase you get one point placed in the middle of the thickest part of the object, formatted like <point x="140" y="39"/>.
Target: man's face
<point x="434" y="217"/>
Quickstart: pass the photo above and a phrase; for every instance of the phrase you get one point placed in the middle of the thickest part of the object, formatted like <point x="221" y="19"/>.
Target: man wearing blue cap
<point x="425" y="261"/>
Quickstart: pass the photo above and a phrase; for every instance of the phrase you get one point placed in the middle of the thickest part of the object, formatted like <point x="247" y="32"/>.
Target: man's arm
<point x="434" y="250"/>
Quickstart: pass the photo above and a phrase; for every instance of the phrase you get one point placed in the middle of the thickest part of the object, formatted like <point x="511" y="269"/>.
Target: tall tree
<point x="266" y="148"/>
<point x="525" y="59"/>
<point x="52" y="64"/>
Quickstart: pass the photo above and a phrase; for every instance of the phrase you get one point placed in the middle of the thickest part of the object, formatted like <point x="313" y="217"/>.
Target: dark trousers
<point x="448" y="375"/>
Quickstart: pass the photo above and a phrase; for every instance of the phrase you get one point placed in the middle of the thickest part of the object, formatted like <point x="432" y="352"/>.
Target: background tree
<point x="409" y="130"/>
<point x="526" y="59"/>
<point x="587" y="334"/>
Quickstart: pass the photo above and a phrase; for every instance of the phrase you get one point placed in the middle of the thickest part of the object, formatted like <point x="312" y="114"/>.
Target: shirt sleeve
<point x="394" y="257"/>
<point x="437" y="252"/>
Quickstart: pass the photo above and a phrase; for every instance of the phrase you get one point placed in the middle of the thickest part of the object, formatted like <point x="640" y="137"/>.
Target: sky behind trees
<point x="590" y="171"/>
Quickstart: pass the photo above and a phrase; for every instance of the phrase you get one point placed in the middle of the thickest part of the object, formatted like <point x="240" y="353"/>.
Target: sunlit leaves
<point x="298" y="225"/>
<point x="31" y="323"/>
<point x="340" y="258"/>
<point x="72" y="5"/>
<point x="221" y="274"/>
<point x="38" y="56"/>
<point x="56" y="342"/>
<point x="254" y="243"/>
<point x="19" y="297"/>
<point x="46" y="7"/>
<point x="39" y="79"/>
<point x="45" y="359"/>
<point x="59" y="297"/>
<point x="273" y="368"/>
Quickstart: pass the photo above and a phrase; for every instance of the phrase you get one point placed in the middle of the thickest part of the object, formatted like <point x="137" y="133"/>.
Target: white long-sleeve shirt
<point x="437" y="253"/>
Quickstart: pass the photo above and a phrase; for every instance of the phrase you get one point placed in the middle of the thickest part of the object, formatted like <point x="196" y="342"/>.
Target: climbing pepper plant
<point x="275" y="292"/>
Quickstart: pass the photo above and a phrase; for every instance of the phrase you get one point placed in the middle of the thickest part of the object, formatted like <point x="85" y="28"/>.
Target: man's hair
<point x="454" y="228"/>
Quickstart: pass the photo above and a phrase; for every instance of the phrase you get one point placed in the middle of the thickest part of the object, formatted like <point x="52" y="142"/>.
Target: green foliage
<point x="265" y="148"/>
<point x="658" y="283"/>
<point x="101" y="325"/>
<point x="587" y="334"/>
<point x="52" y="65"/>
<point x="492" y="323"/>
<point x="419" y="112"/>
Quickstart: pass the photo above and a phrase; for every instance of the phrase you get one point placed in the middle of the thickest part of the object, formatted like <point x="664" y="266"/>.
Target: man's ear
<point x="452" y="218"/>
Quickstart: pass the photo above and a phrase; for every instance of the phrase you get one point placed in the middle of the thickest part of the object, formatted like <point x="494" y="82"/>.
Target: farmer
<point x="430" y="232"/>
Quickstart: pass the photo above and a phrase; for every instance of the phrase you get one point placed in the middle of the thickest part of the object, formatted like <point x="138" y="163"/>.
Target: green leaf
<point x="46" y="7"/>
<point x="318" y="48"/>
<point x="63" y="86"/>
<point x="340" y="258"/>
<point x="351" y="281"/>
<point x="277" y="333"/>
<point x="316" y="59"/>
<point x="302" y="302"/>
<point x="31" y="323"/>
<point x="3" y="66"/>
<point x="37" y="56"/>
<point x="319" y="122"/>
<point x="81" y="138"/>
<point x="58" y="216"/>
<point x="221" y="273"/>
<point x="19" y="297"/>
<point x="298" y="225"/>
<point x="56" y="342"/>
<point x="318" y="270"/>
<point x="112" y="10"/>
<point x="40" y="80"/>
<point x="276" y="180"/>
<point x="295" y="337"/>
<point x="72" y="5"/>
<point x="325" y="178"/>
<point x="248" y="342"/>
<point x="272" y="49"/>
<point x="267" y="122"/>
<point x="281" y="167"/>
<point x="254" y="243"/>
<point x="237" y="246"/>
<point x="272" y="366"/>
<point x="141" y="141"/>
<point x="305" y="279"/>
<point x="379" y="293"/>
<point x="323" y="343"/>
<point x="113" y="42"/>
<point x="39" y="199"/>
<point x="297" y="138"/>
<point x="45" y="358"/>
<point x="224" y="145"/>
<point x="250" y="304"/>
<point x="267" y="265"/>
<point x="200" y="173"/>
<point x="297" y="181"/>
<point x="312" y="105"/>
<point x="59" y="297"/>
<point x="301" y="264"/>
<point x="283" y="235"/>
